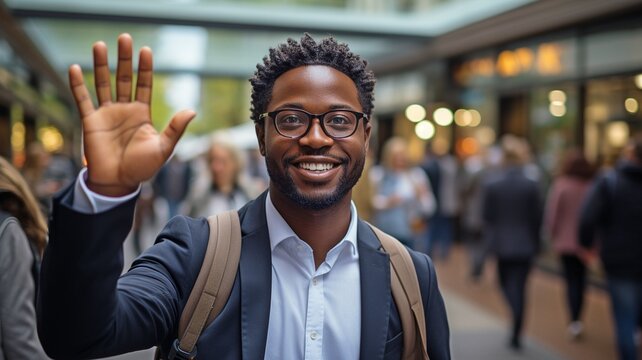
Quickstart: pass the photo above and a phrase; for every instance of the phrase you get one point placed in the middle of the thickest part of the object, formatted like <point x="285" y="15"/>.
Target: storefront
<point x="32" y="108"/>
<point x="581" y="87"/>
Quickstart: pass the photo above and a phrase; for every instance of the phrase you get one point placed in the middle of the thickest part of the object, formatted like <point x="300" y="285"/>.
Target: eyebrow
<point x="300" y="106"/>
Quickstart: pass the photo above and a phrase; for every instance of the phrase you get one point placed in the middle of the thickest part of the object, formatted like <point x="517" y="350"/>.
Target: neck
<point x="321" y="229"/>
<point x="225" y="188"/>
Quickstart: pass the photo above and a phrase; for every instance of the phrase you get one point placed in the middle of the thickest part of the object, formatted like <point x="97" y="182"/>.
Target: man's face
<point x="314" y="171"/>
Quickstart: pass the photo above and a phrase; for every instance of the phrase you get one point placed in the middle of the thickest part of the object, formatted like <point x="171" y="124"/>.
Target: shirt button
<point x="315" y="281"/>
<point x="314" y="335"/>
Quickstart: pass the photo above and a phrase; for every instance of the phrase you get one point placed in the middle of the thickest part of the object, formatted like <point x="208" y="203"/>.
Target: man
<point x="312" y="282"/>
<point x="512" y="216"/>
<point x="612" y="209"/>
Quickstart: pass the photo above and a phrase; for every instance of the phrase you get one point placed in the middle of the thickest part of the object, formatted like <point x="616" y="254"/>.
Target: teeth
<point x="316" y="166"/>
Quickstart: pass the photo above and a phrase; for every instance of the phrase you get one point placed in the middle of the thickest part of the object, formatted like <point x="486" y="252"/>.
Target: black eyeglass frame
<point x="311" y="117"/>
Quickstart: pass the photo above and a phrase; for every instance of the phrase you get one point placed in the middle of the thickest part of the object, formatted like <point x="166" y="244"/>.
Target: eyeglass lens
<point x="338" y="124"/>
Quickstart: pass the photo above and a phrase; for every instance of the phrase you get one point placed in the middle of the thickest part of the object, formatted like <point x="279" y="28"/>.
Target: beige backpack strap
<point x="213" y="284"/>
<point x="407" y="295"/>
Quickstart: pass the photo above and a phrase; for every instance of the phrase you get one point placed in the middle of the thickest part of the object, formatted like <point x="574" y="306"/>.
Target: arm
<point x="425" y="196"/>
<point x="17" y="315"/>
<point x="85" y="310"/>
<point x="592" y="213"/>
<point x="552" y="210"/>
<point x="81" y="310"/>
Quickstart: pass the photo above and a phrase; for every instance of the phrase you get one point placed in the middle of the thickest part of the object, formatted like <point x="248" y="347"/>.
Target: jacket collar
<point x="255" y="271"/>
<point x="375" y="293"/>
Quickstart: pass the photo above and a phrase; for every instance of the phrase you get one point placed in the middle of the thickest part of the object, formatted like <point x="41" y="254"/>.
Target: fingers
<point x="101" y="74"/>
<point x="144" y="81"/>
<point x="124" y="69"/>
<point x="79" y="90"/>
<point x="174" y="131"/>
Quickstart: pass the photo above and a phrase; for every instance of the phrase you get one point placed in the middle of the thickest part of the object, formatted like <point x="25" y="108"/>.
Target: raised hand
<point x="121" y="146"/>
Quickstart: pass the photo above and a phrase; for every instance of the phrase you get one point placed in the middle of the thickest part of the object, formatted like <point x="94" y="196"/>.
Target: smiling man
<point x="313" y="282"/>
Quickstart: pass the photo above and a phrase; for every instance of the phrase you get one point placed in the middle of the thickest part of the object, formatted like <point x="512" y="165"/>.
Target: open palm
<point x="121" y="145"/>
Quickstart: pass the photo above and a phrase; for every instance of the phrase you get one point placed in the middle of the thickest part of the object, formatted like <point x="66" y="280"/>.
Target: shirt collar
<point x="279" y="230"/>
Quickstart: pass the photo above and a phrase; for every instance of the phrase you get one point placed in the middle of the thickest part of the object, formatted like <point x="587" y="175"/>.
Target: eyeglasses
<point x="295" y="123"/>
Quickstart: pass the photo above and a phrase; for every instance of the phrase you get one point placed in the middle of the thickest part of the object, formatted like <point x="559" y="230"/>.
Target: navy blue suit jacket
<point x="86" y="309"/>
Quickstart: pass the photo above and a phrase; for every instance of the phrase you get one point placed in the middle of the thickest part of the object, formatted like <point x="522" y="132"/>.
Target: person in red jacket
<point x="561" y="220"/>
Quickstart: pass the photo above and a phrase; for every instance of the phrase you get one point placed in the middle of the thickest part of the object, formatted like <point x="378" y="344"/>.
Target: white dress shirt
<point x="315" y="313"/>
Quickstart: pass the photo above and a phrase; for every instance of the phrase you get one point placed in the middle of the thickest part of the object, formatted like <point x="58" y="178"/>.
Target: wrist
<point x="109" y="190"/>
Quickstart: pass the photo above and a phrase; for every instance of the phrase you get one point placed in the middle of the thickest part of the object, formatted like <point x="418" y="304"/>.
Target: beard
<point x="285" y="184"/>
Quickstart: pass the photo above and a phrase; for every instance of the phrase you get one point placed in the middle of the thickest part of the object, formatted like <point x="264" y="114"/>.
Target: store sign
<point x="547" y="59"/>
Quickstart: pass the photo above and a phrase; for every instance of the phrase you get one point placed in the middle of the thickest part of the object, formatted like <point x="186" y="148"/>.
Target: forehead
<point x="316" y="88"/>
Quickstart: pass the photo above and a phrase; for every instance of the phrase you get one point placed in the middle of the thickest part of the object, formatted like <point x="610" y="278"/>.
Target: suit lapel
<point x="375" y="293"/>
<point x="256" y="279"/>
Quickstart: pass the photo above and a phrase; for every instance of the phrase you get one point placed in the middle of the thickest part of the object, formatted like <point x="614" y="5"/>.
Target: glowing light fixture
<point x="18" y="137"/>
<point x="476" y="118"/>
<point x="557" y="109"/>
<point x="425" y="130"/>
<point x="463" y="117"/>
<point x="558" y="96"/>
<point x="51" y="138"/>
<point x="443" y="116"/>
<point x="638" y="81"/>
<point x="631" y="105"/>
<point x="415" y="112"/>
<point x="617" y="133"/>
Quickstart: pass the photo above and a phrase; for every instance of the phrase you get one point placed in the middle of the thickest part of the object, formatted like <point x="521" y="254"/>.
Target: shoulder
<point x="10" y="231"/>
<point x="14" y="246"/>
<point x="424" y="268"/>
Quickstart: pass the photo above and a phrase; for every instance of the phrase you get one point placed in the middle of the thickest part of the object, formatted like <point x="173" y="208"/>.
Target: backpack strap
<point x="407" y="295"/>
<point x="213" y="284"/>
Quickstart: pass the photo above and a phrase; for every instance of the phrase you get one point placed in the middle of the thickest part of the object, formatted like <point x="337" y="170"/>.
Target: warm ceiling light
<point x="631" y="105"/>
<point x="557" y="109"/>
<point x="425" y="130"/>
<point x="415" y="112"/>
<point x="557" y="96"/>
<point x="443" y="116"/>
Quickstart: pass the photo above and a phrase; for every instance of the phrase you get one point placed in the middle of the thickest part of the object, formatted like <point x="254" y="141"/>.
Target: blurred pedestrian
<point x="222" y="187"/>
<point x="512" y="218"/>
<point x="403" y="196"/>
<point x="611" y="213"/>
<point x="23" y="233"/>
<point x="443" y="172"/>
<point x="478" y="169"/>
<point x="561" y="222"/>
<point x="172" y="184"/>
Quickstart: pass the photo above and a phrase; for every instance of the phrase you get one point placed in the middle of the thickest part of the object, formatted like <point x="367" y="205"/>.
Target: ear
<point x="367" y="129"/>
<point x="259" y="129"/>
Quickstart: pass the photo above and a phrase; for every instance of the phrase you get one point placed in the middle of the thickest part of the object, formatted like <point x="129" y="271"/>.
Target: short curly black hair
<point x="294" y="54"/>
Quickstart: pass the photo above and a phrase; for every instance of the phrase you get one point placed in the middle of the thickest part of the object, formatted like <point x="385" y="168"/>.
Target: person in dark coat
<point x="312" y="281"/>
<point x="512" y="214"/>
<point x="612" y="212"/>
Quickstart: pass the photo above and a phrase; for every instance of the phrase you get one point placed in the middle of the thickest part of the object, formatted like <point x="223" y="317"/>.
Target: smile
<point x="316" y="166"/>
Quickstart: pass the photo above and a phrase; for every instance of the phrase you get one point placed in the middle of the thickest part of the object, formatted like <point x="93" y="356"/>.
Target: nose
<point x="316" y="137"/>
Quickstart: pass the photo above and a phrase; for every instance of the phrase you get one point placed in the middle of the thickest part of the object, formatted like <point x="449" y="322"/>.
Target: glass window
<point x="612" y="116"/>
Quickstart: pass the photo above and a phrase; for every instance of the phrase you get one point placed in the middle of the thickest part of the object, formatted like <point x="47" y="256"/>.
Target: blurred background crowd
<point x="507" y="144"/>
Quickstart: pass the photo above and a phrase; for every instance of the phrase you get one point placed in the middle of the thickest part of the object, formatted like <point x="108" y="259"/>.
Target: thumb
<point x="175" y="129"/>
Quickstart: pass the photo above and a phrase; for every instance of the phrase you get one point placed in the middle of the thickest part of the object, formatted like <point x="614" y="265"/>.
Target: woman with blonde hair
<point x="403" y="195"/>
<point x="23" y="234"/>
<point x="222" y="186"/>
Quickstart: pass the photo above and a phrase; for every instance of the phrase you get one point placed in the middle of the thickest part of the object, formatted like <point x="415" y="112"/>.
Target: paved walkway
<point x="479" y="317"/>
<point x="477" y="334"/>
